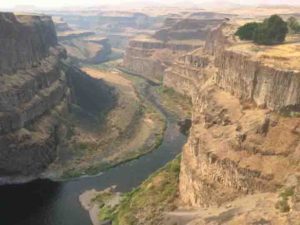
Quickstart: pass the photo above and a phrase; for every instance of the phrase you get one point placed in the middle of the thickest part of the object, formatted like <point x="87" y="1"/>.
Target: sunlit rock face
<point x="241" y="142"/>
<point x="150" y="56"/>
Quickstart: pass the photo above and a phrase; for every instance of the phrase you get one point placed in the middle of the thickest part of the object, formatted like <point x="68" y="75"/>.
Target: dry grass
<point x="284" y="56"/>
<point x="262" y="10"/>
<point x="146" y="38"/>
<point x="72" y="32"/>
<point x="187" y="42"/>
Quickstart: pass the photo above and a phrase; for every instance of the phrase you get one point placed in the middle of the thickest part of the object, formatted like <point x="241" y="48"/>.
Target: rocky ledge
<point x="152" y="55"/>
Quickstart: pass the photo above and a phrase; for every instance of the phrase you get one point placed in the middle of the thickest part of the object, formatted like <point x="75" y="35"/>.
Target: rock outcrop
<point x="150" y="56"/>
<point x="61" y="25"/>
<point x="33" y="90"/>
<point x="240" y="143"/>
<point x="85" y="46"/>
<point x="187" y="29"/>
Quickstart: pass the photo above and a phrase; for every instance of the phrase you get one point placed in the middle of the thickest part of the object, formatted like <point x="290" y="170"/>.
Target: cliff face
<point x="117" y="25"/>
<point x="20" y="51"/>
<point x="85" y="46"/>
<point x="147" y="57"/>
<point x="60" y="24"/>
<point x="251" y="80"/>
<point x="118" y="21"/>
<point x="186" y="29"/>
<point x="32" y="85"/>
<point x="236" y="148"/>
<point x="150" y="56"/>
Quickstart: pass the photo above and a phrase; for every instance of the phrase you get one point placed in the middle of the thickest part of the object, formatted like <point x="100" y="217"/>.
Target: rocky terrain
<point x="43" y="99"/>
<point x="60" y="121"/>
<point x="151" y="55"/>
<point x="116" y="25"/>
<point x="241" y="162"/>
<point x="84" y="46"/>
<point x="101" y="135"/>
<point x="33" y="91"/>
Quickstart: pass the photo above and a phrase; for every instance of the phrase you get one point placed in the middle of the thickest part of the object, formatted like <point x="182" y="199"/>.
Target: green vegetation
<point x="246" y="32"/>
<point x="106" y="208"/>
<point x="178" y="105"/>
<point x="156" y="195"/>
<point x="283" y="203"/>
<point x="294" y="25"/>
<point x="146" y="203"/>
<point x="270" y="32"/>
<point x="106" y="213"/>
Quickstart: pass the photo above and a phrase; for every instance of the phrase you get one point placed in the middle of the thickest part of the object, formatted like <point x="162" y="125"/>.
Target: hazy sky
<point x="61" y="3"/>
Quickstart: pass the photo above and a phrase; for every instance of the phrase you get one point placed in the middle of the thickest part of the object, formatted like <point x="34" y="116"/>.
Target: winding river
<point x="45" y="202"/>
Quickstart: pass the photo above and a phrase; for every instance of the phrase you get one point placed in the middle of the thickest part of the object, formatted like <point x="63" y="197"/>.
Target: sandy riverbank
<point x="86" y="200"/>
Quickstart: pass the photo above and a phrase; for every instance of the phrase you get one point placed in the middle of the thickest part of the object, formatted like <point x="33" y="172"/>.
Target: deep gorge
<point x="100" y="100"/>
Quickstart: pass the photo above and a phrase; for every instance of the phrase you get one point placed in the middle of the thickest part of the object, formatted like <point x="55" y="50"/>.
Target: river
<point x="45" y="202"/>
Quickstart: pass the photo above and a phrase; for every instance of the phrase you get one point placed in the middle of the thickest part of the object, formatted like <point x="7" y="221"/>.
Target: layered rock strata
<point x="239" y="143"/>
<point x="33" y="85"/>
<point x="85" y="46"/>
<point x="150" y="56"/>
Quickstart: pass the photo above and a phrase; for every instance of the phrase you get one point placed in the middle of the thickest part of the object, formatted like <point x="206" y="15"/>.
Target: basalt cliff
<point x="34" y="92"/>
<point x="241" y="162"/>
<point x="151" y="55"/>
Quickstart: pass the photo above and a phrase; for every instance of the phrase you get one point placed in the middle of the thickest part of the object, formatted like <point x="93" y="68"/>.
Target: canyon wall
<point x="240" y="143"/>
<point x="238" y="72"/>
<point x="34" y="92"/>
<point x="152" y="55"/>
<point x="251" y="80"/>
<point x="85" y="46"/>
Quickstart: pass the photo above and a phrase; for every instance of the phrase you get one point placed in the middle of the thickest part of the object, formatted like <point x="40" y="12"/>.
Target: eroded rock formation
<point x="33" y="91"/>
<point x="240" y="143"/>
<point x="151" y="55"/>
<point x="85" y="46"/>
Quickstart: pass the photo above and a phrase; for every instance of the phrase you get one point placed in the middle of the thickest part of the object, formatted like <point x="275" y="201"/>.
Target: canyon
<point x="240" y="164"/>
<point x="97" y="99"/>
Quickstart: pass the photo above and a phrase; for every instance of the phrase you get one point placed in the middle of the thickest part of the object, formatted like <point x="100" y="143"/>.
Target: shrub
<point x="272" y="31"/>
<point x="246" y="32"/>
<point x="283" y="206"/>
<point x="293" y="25"/>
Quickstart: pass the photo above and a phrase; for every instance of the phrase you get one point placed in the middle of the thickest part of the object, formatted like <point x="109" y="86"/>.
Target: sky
<point x="68" y="3"/>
